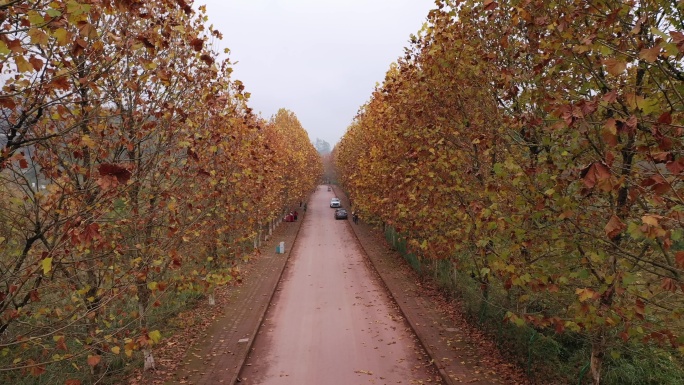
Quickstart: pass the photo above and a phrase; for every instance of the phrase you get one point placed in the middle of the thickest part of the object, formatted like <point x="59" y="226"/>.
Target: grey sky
<point x="320" y="59"/>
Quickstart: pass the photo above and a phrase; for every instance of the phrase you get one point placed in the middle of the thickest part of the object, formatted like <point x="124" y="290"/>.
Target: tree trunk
<point x="143" y="301"/>
<point x="212" y="299"/>
<point x="149" y="359"/>
<point x="91" y="320"/>
<point x="598" y="349"/>
<point x="484" y="306"/>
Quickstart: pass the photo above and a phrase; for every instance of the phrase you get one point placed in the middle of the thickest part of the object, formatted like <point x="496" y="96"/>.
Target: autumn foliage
<point x="538" y="147"/>
<point x="132" y="171"/>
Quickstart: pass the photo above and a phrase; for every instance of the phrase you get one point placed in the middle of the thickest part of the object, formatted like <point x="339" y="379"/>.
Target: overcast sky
<point x="320" y="59"/>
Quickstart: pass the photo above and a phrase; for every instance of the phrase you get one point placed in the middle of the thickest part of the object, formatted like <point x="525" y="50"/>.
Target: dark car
<point x="340" y="214"/>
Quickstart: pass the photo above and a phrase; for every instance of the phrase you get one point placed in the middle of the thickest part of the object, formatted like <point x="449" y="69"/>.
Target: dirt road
<point x="331" y="321"/>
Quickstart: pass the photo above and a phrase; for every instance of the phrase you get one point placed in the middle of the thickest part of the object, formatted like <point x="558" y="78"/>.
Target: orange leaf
<point x="611" y="96"/>
<point x="72" y="382"/>
<point x="651" y="220"/>
<point x="614" y="227"/>
<point x="36" y="63"/>
<point x="37" y="370"/>
<point x="669" y="284"/>
<point x="109" y="169"/>
<point x="163" y="75"/>
<point x="197" y="44"/>
<point x="94" y="360"/>
<point x="665" y="118"/>
<point x="650" y="54"/>
<point x="61" y="344"/>
<point x="208" y="60"/>
<point x="490" y="5"/>
<point x="15" y="46"/>
<point x="640" y="308"/>
<point x="680" y="259"/>
<point x="595" y="173"/>
<point x="614" y="66"/>
<point x="678" y="37"/>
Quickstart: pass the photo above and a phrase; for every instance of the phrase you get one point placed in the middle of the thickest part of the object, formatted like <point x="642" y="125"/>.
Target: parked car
<point x="340" y="214"/>
<point x="335" y="203"/>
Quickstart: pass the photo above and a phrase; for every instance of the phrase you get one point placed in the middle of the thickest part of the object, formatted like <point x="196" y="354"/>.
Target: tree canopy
<point x="539" y="146"/>
<point x="132" y="172"/>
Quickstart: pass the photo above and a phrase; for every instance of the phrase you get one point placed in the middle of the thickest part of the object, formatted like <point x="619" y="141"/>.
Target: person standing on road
<point x="355" y="217"/>
<point x="295" y="215"/>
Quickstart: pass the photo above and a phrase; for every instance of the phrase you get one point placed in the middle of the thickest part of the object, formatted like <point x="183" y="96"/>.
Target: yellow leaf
<point x="4" y="50"/>
<point x="128" y="352"/>
<point x="22" y="64"/>
<point x="98" y="46"/>
<point x="658" y="32"/>
<point x="585" y="294"/>
<point x="116" y="350"/>
<point x="35" y="18"/>
<point x="88" y="141"/>
<point x="62" y="36"/>
<point x="155" y="336"/>
<point x="47" y="265"/>
<point x="670" y="49"/>
<point x="650" y="220"/>
<point x="605" y="50"/>
<point x="152" y="285"/>
<point x="634" y="101"/>
<point x="38" y="37"/>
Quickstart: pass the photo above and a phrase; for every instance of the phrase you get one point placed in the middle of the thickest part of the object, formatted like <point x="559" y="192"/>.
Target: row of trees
<point x="131" y="170"/>
<point x="538" y="147"/>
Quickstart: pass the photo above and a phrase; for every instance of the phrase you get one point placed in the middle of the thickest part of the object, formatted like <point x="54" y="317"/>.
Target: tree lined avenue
<point x="525" y="156"/>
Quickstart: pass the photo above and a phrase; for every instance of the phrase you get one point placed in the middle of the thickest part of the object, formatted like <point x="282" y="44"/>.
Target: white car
<point x="335" y="203"/>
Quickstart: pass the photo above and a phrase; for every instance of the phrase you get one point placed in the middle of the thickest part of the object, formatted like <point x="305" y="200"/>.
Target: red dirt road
<point x="331" y="321"/>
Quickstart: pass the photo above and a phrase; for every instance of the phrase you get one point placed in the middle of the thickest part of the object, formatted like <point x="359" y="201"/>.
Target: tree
<point x="536" y="146"/>
<point x="322" y="146"/>
<point x="119" y="191"/>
